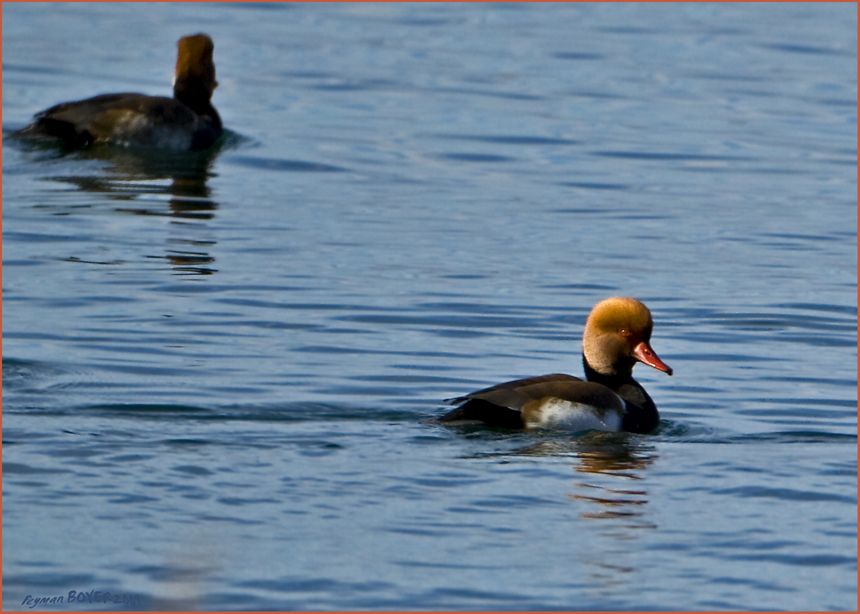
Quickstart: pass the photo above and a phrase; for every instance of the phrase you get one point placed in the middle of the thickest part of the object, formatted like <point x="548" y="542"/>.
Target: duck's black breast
<point x="641" y="415"/>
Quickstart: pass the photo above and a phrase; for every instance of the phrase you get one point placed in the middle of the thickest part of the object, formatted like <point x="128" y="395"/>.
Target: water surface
<point x="220" y="371"/>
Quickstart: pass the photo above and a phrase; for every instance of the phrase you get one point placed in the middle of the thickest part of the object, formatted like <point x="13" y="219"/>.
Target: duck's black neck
<point x="196" y="97"/>
<point x="642" y="417"/>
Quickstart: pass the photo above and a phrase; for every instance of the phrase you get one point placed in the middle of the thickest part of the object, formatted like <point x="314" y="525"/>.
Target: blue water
<point x="220" y="371"/>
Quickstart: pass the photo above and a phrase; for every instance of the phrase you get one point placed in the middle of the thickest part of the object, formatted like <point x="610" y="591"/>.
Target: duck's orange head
<point x="195" y="69"/>
<point x="617" y="335"/>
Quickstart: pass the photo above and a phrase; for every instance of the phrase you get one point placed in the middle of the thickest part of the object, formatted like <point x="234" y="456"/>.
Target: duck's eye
<point x="624" y="332"/>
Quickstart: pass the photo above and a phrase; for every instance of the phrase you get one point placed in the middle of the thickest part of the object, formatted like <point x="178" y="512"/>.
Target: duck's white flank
<point x="561" y="414"/>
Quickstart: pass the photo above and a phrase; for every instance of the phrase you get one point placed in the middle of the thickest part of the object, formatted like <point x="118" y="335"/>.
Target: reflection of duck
<point x="612" y="455"/>
<point x="186" y="121"/>
<point x="613" y="468"/>
<point x="617" y="335"/>
<point x="606" y="453"/>
<point x="169" y="184"/>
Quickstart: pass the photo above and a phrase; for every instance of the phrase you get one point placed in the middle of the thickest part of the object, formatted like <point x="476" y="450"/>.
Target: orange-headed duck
<point x="186" y="121"/>
<point x="617" y="335"/>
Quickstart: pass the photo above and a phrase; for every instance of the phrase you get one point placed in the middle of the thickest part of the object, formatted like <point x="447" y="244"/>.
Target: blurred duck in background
<point x="188" y="121"/>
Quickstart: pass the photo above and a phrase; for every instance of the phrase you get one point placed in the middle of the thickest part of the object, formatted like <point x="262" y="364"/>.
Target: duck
<point x="617" y="335"/>
<point x="188" y="121"/>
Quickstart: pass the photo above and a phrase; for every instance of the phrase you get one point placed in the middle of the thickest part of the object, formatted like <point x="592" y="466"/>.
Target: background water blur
<point x="218" y="370"/>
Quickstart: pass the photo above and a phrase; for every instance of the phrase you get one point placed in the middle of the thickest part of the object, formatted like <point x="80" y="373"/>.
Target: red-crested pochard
<point x="186" y="121"/>
<point x="617" y="335"/>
